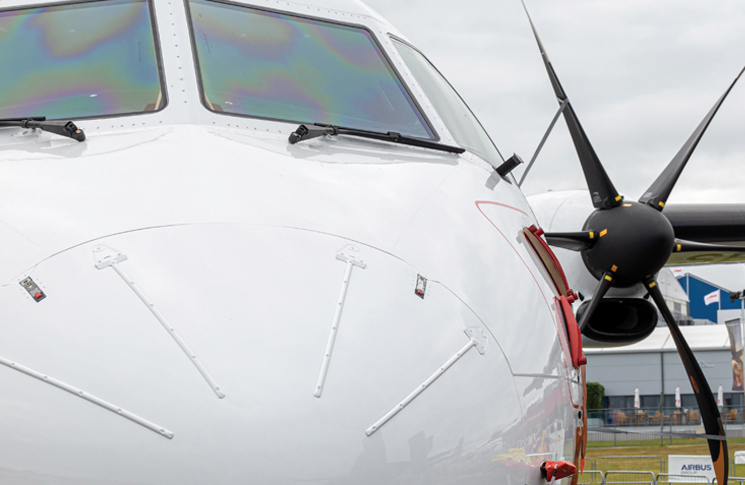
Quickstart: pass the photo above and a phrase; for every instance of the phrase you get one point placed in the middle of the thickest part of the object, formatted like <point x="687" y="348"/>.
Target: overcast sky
<point x="640" y="74"/>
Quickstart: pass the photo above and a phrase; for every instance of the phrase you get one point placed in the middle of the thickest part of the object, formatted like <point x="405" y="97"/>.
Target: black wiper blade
<point x="306" y="132"/>
<point x="63" y="128"/>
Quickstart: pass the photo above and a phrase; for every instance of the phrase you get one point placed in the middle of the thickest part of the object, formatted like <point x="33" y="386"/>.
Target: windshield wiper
<point x="63" y="128"/>
<point x="306" y="132"/>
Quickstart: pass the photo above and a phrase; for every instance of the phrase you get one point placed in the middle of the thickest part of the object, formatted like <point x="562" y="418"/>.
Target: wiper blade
<point x="63" y="128"/>
<point x="306" y="132"/>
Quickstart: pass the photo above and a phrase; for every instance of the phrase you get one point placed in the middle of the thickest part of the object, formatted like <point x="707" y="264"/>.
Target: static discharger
<point x="33" y="289"/>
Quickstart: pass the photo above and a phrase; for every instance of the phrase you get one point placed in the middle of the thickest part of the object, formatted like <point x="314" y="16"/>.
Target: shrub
<point x="595" y="395"/>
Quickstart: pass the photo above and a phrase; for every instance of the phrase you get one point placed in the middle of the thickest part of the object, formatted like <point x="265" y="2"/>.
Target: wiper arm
<point x="63" y="128"/>
<point x="306" y="132"/>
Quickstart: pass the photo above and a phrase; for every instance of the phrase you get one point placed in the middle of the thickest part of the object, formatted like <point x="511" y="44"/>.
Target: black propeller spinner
<point x="626" y="243"/>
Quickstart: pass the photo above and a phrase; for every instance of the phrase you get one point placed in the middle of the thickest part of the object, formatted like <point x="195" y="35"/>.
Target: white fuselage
<point x="238" y="256"/>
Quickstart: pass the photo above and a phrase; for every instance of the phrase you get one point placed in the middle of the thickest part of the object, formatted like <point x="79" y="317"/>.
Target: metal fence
<point x="630" y="477"/>
<point x="591" y="477"/>
<point x="639" y="477"/>
<point x="686" y="416"/>
<point x="672" y="478"/>
<point x="612" y="435"/>
<point x="651" y="460"/>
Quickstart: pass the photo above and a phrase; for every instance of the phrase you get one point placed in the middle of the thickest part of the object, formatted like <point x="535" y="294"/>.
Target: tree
<point x="595" y="395"/>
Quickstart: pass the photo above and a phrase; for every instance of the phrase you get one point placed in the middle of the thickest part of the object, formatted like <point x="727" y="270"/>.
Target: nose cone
<point x="635" y="238"/>
<point x="256" y="308"/>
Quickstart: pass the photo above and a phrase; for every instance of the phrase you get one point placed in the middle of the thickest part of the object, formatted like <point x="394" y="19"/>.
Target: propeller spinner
<point x="626" y="243"/>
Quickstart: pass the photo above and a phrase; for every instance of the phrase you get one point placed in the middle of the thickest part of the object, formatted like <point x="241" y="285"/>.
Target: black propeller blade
<point x="604" y="194"/>
<point x="657" y="193"/>
<point x="605" y="284"/>
<point x="575" y="241"/>
<point x="683" y="246"/>
<point x="705" y="399"/>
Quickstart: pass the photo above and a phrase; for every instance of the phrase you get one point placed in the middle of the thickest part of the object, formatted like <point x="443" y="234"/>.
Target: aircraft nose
<point x="271" y="354"/>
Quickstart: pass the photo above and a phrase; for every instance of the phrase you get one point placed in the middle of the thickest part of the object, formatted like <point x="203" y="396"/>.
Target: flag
<point x="712" y="297"/>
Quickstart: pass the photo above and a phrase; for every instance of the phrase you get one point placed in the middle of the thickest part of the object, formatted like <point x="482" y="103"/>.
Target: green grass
<point x="680" y="446"/>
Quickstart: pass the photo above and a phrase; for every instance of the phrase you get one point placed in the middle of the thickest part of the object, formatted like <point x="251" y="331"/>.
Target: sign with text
<point x="691" y="468"/>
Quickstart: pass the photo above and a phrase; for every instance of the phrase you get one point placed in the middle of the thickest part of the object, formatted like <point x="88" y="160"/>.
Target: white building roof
<point x="729" y="276"/>
<point x="670" y="286"/>
<point x="699" y="337"/>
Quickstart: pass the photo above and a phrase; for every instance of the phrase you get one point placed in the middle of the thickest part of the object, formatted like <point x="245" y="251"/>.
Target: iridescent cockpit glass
<point x="276" y="66"/>
<point x="79" y="60"/>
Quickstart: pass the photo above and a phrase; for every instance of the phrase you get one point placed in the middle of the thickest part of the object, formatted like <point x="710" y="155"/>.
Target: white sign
<point x="739" y="457"/>
<point x="693" y="466"/>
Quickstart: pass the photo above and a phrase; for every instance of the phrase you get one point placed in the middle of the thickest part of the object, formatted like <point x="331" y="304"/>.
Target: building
<point x="707" y="298"/>
<point x="654" y="367"/>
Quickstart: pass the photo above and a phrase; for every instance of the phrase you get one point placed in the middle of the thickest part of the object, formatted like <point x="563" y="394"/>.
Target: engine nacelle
<point x="623" y="317"/>
<point x="618" y="321"/>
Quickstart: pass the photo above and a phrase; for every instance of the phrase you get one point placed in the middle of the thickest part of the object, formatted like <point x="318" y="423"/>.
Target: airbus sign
<point x="691" y="468"/>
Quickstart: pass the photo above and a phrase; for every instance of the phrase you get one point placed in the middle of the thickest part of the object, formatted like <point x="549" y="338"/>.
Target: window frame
<point x="156" y="44"/>
<point x="396" y="38"/>
<point x="198" y="72"/>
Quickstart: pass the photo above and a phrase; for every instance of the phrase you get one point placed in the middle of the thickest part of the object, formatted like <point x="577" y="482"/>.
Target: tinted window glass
<point x="80" y="60"/>
<point x="461" y="122"/>
<point x="271" y="65"/>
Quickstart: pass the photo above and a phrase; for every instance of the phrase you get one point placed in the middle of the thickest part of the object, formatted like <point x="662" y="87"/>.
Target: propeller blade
<point x="707" y="222"/>
<point x="603" y="286"/>
<point x="604" y="194"/>
<point x="657" y="193"/>
<point x="575" y="241"/>
<point x="705" y="399"/>
<point x="683" y="246"/>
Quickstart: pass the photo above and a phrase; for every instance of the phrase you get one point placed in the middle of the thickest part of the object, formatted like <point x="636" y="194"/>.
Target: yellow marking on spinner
<point x="618" y="197"/>
<point x="592" y="235"/>
<point x="603" y="232"/>
<point x="661" y="204"/>
<point x="608" y="277"/>
<point x="653" y="284"/>
<point x="680" y="247"/>
<point x="614" y="268"/>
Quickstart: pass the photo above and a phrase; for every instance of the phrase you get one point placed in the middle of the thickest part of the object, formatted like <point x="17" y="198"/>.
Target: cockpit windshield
<point x="79" y="60"/>
<point x="277" y="66"/>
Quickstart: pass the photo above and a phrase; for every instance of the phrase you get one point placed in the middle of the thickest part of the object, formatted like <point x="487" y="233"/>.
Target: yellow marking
<point x="661" y="204"/>
<point x="603" y="232"/>
<point x="627" y="205"/>
<point x="618" y="197"/>
<point x="653" y="284"/>
<point x="614" y="268"/>
<point x="608" y="277"/>
<point x="679" y="247"/>
<point x="592" y="235"/>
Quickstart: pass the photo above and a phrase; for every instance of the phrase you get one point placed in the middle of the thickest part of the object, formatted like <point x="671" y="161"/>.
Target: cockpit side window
<point x="272" y="65"/>
<point x="80" y="60"/>
<point x="453" y="111"/>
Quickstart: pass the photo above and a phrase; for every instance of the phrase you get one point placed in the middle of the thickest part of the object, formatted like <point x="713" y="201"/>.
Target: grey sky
<point x="640" y="74"/>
